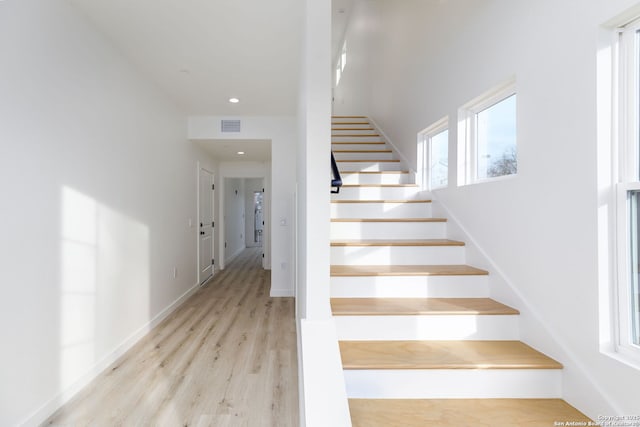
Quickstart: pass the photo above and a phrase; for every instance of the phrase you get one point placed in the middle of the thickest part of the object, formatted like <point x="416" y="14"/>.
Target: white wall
<point x="539" y="229"/>
<point x="323" y="400"/>
<point x="98" y="185"/>
<point x="234" y="214"/>
<point x="279" y="185"/>
<point x="351" y="96"/>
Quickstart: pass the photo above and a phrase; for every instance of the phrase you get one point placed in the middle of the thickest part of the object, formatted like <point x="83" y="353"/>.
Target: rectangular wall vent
<point x="230" y="126"/>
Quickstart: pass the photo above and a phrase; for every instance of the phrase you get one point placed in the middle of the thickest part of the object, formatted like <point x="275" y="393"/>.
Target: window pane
<point x="439" y="160"/>
<point x="496" y="140"/>
<point x="634" y="238"/>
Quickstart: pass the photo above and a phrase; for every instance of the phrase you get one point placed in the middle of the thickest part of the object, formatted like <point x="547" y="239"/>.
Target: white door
<point x="206" y="226"/>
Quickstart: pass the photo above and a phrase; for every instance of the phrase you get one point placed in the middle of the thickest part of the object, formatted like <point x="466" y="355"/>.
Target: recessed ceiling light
<point x="241" y="153"/>
<point x="234" y="100"/>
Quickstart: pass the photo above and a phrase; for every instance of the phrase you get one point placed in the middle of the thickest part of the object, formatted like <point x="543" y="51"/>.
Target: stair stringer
<point x="534" y="329"/>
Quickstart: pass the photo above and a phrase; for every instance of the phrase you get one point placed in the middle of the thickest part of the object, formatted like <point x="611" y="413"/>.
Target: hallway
<point x="226" y="357"/>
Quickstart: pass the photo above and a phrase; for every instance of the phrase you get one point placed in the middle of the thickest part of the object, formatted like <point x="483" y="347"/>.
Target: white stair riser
<point x="409" y="287"/>
<point x="427" y="327"/>
<point x="387" y="230"/>
<point x="380" y="210"/>
<point x="351" y="125"/>
<point x="374" y="193"/>
<point x="364" y="146"/>
<point x="369" y="166"/>
<point x="454" y="383"/>
<point x="366" y="138"/>
<point x="375" y="178"/>
<point x="396" y="255"/>
<point x="340" y="119"/>
<point x="349" y="131"/>
<point x="363" y="156"/>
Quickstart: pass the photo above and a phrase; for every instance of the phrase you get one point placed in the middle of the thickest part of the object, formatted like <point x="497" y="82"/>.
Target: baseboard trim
<point x="280" y="293"/>
<point x="46" y="410"/>
<point x="561" y="352"/>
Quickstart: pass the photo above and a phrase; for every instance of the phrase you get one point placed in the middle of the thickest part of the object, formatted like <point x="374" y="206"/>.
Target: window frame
<point x="425" y="138"/>
<point x="626" y="154"/>
<point x="467" y="132"/>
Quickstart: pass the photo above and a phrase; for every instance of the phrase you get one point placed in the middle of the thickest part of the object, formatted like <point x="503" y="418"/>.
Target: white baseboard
<point x="564" y="354"/>
<point x="46" y="410"/>
<point x="279" y="293"/>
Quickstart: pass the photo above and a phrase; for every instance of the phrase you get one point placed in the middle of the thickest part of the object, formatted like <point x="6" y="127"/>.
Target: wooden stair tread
<point x="350" y="123"/>
<point x="358" y="142"/>
<point x="443" y="355"/>
<point x="396" y="242"/>
<point x="356" y="135"/>
<point x="462" y="412"/>
<point x="348" y="117"/>
<point x="374" y="172"/>
<point x="405" y="270"/>
<point x="388" y="220"/>
<point x="418" y="306"/>
<point x="368" y="161"/>
<point x="368" y="129"/>
<point x="363" y="151"/>
<point x="378" y="185"/>
<point x="382" y="201"/>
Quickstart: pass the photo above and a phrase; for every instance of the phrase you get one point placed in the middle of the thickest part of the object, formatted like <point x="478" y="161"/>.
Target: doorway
<point x="254" y="224"/>
<point x="244" y="206"/>
<point x="206" y="225"/>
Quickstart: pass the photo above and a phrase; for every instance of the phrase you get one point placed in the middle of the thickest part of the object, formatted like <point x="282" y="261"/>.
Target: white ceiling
<point x="256" y="150"/>
<point x="202" y="52"/>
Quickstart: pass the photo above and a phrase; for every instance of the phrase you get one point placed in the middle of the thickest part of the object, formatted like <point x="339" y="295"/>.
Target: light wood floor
<point x="463" y="413"/>
<point x="226" y="357"/>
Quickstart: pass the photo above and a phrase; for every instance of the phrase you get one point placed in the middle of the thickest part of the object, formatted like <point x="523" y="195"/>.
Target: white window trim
<point x="624" y="346"/>
<point x="467" y="165"/>
<point x="625" y="153"/>
<point x="424" y="152"/>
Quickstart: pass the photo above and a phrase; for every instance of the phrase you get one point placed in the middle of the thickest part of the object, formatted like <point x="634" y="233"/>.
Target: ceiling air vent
<point x="230" y="126"/>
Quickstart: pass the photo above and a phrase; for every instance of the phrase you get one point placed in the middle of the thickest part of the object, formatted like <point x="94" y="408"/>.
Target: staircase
<point x="421" y="341"/>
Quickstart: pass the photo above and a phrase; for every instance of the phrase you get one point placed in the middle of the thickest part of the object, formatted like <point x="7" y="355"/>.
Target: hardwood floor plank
<point x="227" y="356"/>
